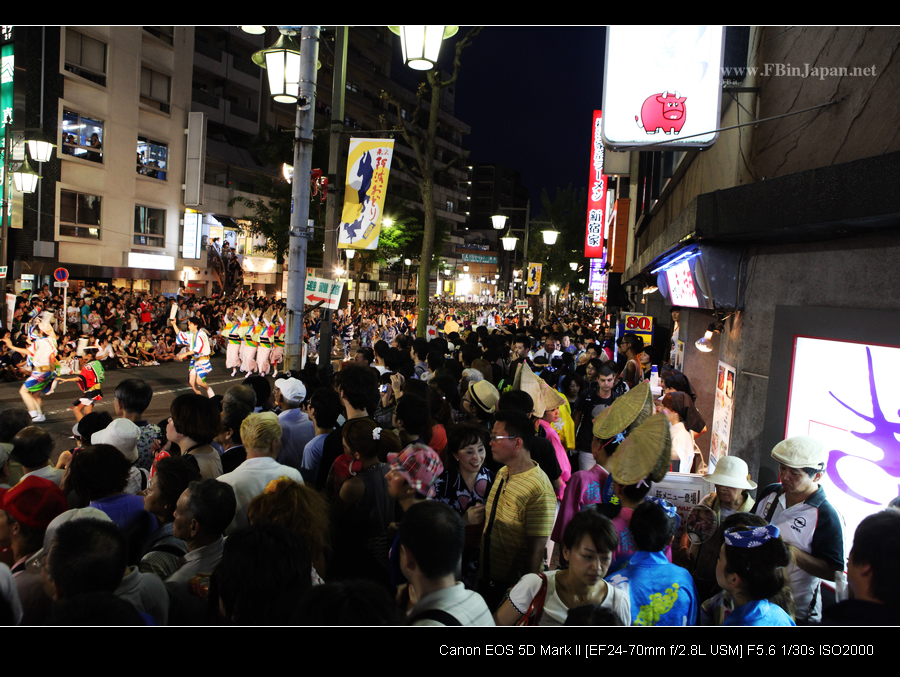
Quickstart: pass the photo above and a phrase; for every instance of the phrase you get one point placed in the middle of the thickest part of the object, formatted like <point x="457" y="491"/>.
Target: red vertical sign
<point x="596" y="215"/>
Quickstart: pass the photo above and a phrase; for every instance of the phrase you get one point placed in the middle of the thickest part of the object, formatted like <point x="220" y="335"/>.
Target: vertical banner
<point x="7" y="71"/>
<point x="533" y="281"/>
<point x="596" y="208"/>
<point x="368" y="167"/>
<point x="722" y="414"/>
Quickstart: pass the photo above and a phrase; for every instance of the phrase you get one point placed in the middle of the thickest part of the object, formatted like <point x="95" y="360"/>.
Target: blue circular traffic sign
<point x="61" y="274"/>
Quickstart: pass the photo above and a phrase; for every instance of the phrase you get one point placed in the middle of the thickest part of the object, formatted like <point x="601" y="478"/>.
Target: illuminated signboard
<point x="597" y="278"/>
<point x="855" y="415"/>
<point x="681" y="286"/>
<point x="662" y="84"/>
<point x="596" y="208"/>
<point x="190" y="242"/>
<point x="151" y="261"/>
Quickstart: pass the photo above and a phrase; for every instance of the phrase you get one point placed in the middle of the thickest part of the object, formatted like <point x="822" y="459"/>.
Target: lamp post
<point x="291" y="72"/>
<point x="25" y="180"/>
<point x="407" y="263"/>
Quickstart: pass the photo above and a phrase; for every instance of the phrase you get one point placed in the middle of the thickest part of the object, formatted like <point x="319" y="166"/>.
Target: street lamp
<point x="291" y="70"/>
<point x="282" y="64"/>
<point x="550" y="236"/>
<point x="499" y="221"/>
<point x="509" y="242"/>
<point x="421" y="45"/>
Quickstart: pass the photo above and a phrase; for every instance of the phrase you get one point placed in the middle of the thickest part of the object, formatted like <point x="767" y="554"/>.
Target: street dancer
<point x="199" y="351"/>
<point x="44" y="367"/>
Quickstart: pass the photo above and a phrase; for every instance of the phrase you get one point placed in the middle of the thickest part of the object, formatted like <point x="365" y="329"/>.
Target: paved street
<point x="167" y="380"/>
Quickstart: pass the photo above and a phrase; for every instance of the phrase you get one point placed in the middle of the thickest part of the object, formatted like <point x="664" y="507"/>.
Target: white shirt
<point x="249" y="480"/>
<point x="682" y="446"/>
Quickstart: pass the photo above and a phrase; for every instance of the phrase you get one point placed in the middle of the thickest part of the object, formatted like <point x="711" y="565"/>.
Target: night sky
<point x="528" y="93"/>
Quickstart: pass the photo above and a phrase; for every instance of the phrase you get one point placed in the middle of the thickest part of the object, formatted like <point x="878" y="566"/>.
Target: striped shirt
<point x="526" y="508"/>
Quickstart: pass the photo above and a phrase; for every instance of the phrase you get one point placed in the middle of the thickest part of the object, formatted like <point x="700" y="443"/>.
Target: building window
<point x="82" y="137"/>
<point x="152" y="158"/>
<point x="351" y="87"/>
<point x="164" y="33"/>
<point x="86" y="57"/>
<point x="155" y="89"/>
<point x="79" y="215"/>
<point x="149" y="226"/>
<point x="450" y="206"/>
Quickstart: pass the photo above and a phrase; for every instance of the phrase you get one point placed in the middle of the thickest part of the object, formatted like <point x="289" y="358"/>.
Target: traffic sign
<point x="61" y="284"/>
<point x="61" y="274"/>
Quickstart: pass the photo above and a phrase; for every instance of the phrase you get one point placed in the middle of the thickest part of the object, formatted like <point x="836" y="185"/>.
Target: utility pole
<point x="299" y="228"/>
<point x="332" y="205"/>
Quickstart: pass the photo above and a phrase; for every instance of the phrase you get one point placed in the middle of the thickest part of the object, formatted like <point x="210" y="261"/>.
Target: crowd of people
<point x="500" y="473"/>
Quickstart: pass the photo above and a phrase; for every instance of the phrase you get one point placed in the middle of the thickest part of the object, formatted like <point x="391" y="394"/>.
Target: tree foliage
<point x="270" y="214"/>
<point x="567" y="212"/>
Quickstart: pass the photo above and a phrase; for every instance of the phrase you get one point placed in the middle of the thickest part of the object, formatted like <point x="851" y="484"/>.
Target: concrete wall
<point x="125" y="118"/>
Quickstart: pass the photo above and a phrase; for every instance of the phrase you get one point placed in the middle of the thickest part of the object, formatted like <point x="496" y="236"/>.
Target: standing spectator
<point x="520" y="510"/>
<point x="261" y="435"/>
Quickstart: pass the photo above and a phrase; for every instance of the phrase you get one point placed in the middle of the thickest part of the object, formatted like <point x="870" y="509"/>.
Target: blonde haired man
<point x="261" y="435"/>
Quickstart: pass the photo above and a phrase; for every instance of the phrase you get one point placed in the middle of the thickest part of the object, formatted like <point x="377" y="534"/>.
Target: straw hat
<point x="731" y="471"/>
<point x="644" y="452"/>
<point x="628" y="411"/>
<point x="485" y="395"/>
<point x="543" y="396"/>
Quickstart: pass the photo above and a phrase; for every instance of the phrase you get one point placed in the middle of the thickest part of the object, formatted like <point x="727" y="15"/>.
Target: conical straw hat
<point x="526" y="381"/>
<point x="635" y="405"/>
<point x="552" y="399"/>
<point x="646" y="451"/>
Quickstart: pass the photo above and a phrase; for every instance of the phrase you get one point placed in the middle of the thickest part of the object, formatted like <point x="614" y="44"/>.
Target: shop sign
<point x="596" y="208"/>
<point x="662" y="86"/>
<point x="151" y="261"/>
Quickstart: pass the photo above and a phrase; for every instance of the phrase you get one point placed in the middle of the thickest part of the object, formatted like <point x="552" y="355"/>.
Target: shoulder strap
<point x="774" y="504"/>
<point x="536" y="609"/>
<point x="486" y="554"/>
<point x="438" y="615"/>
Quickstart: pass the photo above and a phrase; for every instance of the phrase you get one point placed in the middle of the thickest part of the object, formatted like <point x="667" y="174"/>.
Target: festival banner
<point x="368" y="167"/>
<point x="533" y="281"/>
<point x="596" y="208"/>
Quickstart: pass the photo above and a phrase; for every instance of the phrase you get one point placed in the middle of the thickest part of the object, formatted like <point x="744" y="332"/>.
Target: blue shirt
<point x="661" y="593"/>
<point x="759" y="612"/>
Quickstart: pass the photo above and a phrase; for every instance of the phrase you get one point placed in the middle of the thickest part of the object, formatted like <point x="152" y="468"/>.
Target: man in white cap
<point x="296" y="428"/>
<point x="808" y="523"/>
<point x="123" y="435"/>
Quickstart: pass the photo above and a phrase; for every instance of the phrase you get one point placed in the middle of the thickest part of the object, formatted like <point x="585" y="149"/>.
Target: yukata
<point x="199" y="345"/>
<point x="661" y="593"/>
<point x="278" y="348"/>
<point x="44" y="367"/>
<point x="388" y="333"/>
<point x="248" y="354"/>
<point x="264" y="351"/>
<point x="232" y="352"/>
<point x="347" y="339"/>
<point x="586" y="487"/>
<point x="759" y="612"/>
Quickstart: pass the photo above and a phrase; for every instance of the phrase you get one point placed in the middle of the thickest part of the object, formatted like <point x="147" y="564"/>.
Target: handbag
<point x="532" y="615"/>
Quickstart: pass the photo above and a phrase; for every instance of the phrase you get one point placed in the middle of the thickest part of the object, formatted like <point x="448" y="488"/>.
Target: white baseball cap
<point x="292" y="389"/>
<point x="123" y="435"/>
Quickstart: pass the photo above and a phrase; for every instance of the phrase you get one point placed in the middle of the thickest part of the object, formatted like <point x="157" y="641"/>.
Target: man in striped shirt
<point x="519" y="512"/>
